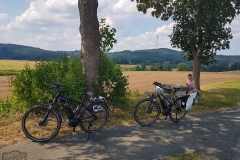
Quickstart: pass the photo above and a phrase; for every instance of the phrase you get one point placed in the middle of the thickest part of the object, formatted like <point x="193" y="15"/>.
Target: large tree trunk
<point x="196" y="67"/>
<point x="90" y="45"/>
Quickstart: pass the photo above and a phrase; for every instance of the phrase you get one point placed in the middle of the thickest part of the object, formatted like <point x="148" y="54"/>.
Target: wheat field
<point x="142" y="80"/>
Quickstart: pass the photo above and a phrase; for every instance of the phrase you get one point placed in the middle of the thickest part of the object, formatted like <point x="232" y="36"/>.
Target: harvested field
<point x="4" y="89"/>
<point x="142" y="80"/>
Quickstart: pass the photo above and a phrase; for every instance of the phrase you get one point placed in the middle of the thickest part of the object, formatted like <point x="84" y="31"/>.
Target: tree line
<point x="161" y="59"/>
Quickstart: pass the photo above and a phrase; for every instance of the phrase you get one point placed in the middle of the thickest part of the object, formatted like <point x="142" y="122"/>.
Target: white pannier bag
<point x="190" y="100"/>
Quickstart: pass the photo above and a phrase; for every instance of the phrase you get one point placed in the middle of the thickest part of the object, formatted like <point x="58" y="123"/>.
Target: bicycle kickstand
<point x="74" y="132"/>
<point x="89" y="125"/>
<point x="166" y="117"/>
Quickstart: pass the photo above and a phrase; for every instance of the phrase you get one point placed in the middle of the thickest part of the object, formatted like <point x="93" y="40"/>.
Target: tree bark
<point x="196" y="67"/>
<point x="90" y="41"/>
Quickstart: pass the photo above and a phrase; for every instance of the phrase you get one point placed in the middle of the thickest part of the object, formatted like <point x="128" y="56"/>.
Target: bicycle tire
<point x="177" y="112"/>
<point x="32" y="127"/>
<point x="94" y="121"/>
<point x="147" y="112"/>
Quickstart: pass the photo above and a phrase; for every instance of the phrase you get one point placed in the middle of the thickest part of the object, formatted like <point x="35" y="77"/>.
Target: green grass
<point x="218" y="96"/>
<point x="186" y="156"/>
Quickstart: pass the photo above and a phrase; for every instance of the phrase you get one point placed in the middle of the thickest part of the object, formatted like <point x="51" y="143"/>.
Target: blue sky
<point x="54" y="25"/>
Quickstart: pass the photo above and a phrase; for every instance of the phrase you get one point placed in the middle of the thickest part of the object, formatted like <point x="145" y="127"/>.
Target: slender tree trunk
<point x="196" y="67"/>
<point x="90" y="41"/>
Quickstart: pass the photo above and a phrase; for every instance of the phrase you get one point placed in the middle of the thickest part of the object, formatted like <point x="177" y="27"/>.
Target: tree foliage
<point x="112" y="82"/>
<point x="200" y="29"/>
<point x="167" y="66"/>
<point x="182" y="67"/>
<point x="106" y="36"/>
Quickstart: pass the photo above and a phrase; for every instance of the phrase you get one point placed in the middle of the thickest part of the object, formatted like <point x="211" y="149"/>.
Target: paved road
<point x="217" y="134"/>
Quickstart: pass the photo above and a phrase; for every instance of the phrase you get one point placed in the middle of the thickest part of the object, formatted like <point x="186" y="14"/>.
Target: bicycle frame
<point x="56" y="100"/>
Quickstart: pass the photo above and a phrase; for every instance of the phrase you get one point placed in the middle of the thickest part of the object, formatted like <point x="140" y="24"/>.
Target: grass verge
<point x="186" y="156"/>
<point x="218" y="96"/>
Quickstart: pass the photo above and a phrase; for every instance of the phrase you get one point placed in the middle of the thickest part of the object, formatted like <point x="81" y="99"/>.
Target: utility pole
<point x="157" y="42"/>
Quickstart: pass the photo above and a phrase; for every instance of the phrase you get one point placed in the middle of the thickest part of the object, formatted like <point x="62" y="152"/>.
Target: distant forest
<point x="19" y="52"/>
<point x="139" y="57"/>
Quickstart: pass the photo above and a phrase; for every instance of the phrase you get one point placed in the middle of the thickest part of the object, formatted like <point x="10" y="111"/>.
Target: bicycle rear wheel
<point x="94" y="121"/>
<point x="177" y="112"/>
<point x="39" y="123"/>
<point x="146" y="112"/>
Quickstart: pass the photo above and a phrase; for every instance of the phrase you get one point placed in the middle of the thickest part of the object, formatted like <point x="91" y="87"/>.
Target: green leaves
<point x="106" y="36"/>
<point x="200" y="24"/>
<point x="113" y="83"/>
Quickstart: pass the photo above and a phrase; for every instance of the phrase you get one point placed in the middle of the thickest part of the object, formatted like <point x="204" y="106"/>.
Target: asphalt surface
<point x="216" y="134"/>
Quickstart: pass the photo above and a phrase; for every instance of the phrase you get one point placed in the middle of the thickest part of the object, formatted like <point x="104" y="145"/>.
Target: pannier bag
<point x="96" y="104"/>
<point x="187" y="101"/>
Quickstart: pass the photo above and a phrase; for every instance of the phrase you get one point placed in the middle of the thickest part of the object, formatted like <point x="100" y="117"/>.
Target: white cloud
<point x="124" y="6"/>
<point x="3" y="16"/>
<point x="235" y="27"/>
<point x="147" y="40"/>
<point x="46" y="14"/>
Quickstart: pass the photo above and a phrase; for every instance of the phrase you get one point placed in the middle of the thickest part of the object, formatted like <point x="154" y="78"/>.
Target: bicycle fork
<point x="41" y="123"/>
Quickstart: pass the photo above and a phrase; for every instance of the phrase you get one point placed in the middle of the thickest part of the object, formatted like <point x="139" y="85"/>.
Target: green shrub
<point x="31" y="87"/>
<point x="113" y="83"/>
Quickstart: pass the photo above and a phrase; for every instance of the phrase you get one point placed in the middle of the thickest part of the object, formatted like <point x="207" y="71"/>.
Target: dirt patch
<point x="4" y="87"/>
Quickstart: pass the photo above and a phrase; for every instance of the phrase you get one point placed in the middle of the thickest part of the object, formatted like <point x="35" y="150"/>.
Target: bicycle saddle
<point x="55" y="85"/>
<point x="90" y="94"/>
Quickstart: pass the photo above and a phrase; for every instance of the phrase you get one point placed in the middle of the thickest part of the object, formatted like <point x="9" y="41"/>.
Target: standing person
<point x="191" y="84"/>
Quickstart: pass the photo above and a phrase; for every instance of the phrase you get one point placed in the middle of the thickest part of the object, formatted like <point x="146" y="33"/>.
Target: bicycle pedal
<point x="74" y="133"/>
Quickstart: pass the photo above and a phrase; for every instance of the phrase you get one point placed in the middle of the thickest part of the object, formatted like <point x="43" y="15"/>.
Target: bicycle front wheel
<point x="94" y="121"/>
<point x="177" y="112"/>
<point x="146" y="112"/>
<point x="40" y="123"/>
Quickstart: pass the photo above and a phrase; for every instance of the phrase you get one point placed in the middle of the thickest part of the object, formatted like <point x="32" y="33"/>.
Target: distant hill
<point x="147" y="57"/>
<point x="20" y="52"/>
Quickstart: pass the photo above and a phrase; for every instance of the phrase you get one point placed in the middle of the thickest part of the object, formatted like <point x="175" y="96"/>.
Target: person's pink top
<point x="190" y="84"/>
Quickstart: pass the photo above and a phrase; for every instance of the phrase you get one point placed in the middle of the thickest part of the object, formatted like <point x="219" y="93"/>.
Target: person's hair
<point x="190" y="74"/>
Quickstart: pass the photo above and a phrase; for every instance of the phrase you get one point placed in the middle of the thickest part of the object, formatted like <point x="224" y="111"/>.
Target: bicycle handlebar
<point x="158" y="84"/>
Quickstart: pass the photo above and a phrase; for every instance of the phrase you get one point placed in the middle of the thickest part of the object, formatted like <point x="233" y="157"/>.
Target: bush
<point x="31" y="87"/>
<point x="113" y="83"/>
